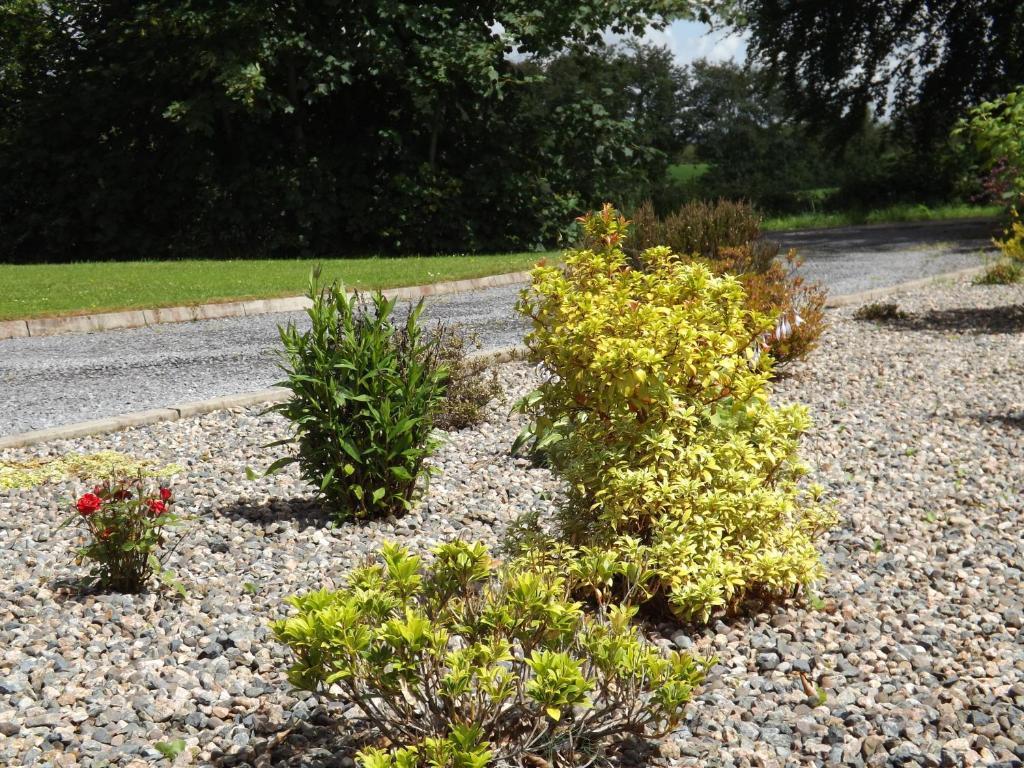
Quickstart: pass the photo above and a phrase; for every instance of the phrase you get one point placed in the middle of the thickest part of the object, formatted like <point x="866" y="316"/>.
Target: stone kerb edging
<point x="278" y="394"/>
<point x="848" y="299"/>
<point x="185" y="410"/>
<point x="138" y="318"/>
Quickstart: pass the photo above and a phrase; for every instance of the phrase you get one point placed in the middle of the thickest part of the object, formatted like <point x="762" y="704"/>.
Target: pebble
<point x="912" y="653"/>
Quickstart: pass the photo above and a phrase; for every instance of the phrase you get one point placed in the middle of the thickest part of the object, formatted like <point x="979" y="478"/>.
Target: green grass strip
<point x="41" y="290"/>
<point x="892" y="214"/>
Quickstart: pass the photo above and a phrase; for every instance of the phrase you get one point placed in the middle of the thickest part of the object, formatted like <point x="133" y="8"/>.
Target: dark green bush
<point x="365" y="392"/>
<point x="880" y="311"/>
<point x="472" y="382"/>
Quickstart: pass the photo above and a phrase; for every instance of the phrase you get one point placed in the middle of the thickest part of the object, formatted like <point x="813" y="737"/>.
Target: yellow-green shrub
<point x="463" y="664"/>
<point x="726" y="236"/>
<point x="669" y="445"/>
<point x="104" y="465"/>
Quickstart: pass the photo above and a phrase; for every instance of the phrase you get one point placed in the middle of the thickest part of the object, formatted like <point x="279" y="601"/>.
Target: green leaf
<point x="278" y="465"/>
<point x="170" y="749"/>
<point x="401" y="473"/>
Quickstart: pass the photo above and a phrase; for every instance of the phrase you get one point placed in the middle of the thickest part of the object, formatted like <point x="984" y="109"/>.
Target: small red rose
<point x="88" y="504"/>
<point x="165" y="493"/>
<point x="156" y="506"/>
<point x="106" y="533"/>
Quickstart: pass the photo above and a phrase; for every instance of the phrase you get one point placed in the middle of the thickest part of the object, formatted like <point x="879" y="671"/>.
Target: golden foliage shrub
<point x="676" y="462"/>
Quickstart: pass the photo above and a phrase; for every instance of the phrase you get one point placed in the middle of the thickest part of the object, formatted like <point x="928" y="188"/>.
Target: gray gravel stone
<point x="914" y="658"/>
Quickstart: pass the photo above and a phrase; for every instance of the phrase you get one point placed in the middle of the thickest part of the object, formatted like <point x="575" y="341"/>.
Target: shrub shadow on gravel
<point x="306" y="512"/>
<point x="1006" y="319"/>
<point x="1015" y="421"/>
<point x="319" y="741"/>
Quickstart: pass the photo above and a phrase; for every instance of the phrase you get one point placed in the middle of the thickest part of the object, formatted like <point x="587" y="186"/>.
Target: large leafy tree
<point x="147" y="128"/>
<point x="921" y="61"/>
<point x="613" y="117"/>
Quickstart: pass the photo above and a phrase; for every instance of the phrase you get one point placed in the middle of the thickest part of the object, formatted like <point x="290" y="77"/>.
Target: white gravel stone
<point x="915" y="658"/>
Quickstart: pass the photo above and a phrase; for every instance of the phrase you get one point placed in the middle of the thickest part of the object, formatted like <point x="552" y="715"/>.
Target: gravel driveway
<point x="47" y="382"/>
<point x="914" y="655"/>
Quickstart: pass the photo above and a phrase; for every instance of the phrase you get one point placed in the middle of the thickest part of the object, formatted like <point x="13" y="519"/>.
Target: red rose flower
<point x="88" y="504"/>
<point x="165" y="493"/>
<point x="156" y="506"/>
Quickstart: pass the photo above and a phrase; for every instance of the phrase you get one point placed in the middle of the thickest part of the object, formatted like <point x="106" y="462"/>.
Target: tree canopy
<point x="924" y="62"/>
<point x="156" y="128"/>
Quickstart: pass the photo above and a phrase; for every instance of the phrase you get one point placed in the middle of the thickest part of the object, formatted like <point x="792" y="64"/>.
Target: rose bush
<point x="124" y="522"/>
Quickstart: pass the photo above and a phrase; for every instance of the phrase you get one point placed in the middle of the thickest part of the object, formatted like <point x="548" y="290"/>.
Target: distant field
<point x="37" y="290"/>
<point x="895" y="213"/>
<point x="686" y="173"/>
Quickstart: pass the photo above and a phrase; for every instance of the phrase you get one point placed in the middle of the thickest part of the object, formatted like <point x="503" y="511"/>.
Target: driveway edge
<point x="138" y="318"/>
<point x="185" y="410"/>
<point x="278" y="394"/>
<point x="860" y="297"/>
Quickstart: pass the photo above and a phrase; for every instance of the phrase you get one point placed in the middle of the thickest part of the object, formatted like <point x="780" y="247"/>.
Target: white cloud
<point x="691" y="40"/>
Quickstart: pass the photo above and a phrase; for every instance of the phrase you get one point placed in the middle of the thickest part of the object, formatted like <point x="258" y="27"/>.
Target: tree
<point x="159" y="128"/>
<point x="995" y="130"/>
<point x="612" y="117"/>
<point x="739" y="125"/>
<point x="922" y="61"/>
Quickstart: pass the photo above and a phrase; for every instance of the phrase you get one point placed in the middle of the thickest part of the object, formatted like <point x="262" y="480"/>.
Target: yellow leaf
<point x="554" y="713"/>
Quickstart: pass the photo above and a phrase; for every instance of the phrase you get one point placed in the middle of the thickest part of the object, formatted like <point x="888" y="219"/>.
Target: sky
<point x="690" y="40"/>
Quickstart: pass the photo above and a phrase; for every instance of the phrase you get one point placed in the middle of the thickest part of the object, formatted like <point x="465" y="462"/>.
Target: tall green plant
<point x="364" y="392"/>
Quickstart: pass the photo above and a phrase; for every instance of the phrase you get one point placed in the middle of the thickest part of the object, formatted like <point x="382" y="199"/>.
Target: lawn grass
<point x="894" y="213"/>
<point x="686" y="173"/>
<point x="40" y="290"/>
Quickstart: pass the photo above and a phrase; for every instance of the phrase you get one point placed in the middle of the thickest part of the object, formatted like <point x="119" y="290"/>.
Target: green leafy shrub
<point x="468" y="664"/>
<point x="726" y="236"/>
<point x="880" y="311"/>
<point x="125" y="523"/>
<point x="472" y="383"/>
<point x="667" y="441"/>
<point x="364" y="396"/>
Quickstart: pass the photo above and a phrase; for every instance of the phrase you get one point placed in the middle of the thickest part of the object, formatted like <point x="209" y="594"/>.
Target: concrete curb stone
<point x="861" y="297"/>
<point x="105" y="321"/>
<point x="12" y="329"/>
<point x="109" y="321"/>
<point x="278" y="394"/>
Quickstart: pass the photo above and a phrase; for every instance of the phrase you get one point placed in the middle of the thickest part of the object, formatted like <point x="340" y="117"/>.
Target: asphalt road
<point x="50" y="381"/>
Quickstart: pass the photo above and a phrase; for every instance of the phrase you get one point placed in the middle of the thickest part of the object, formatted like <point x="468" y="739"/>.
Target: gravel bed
<point x="913" y="656"/>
